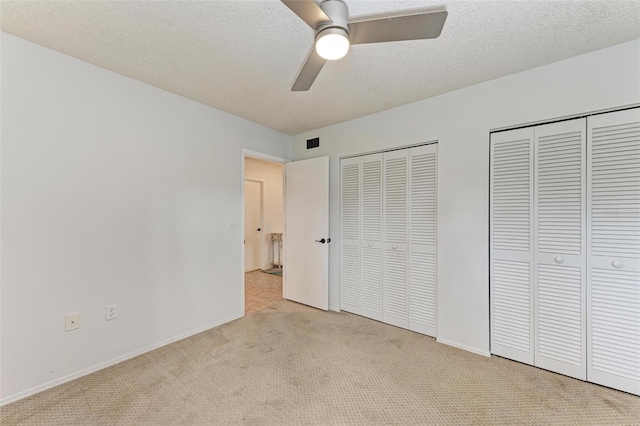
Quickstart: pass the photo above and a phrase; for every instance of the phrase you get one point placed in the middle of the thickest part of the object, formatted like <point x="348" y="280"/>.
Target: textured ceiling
<point x="243" y="56"/>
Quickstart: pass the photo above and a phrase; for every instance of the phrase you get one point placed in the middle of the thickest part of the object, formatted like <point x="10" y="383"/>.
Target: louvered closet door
<point x="614" y="250"/>
<point x="394" y="301"/>
<point x="422" y="239"/>
<point x="511" y="242"/>
<point x="350" y="235"/>
<point x="371" y="241"/>
<point x="560" y="243"/>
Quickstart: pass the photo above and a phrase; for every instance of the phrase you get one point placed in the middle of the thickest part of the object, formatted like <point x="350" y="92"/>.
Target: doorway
<point x="294" y="262"/>
<point x="263" y="231"/>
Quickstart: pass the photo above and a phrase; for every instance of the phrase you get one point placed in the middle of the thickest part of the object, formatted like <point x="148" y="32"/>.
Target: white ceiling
<point x="243" y="56"/>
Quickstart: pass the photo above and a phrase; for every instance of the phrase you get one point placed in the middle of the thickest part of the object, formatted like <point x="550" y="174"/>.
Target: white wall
<point x="112" y="192"/>
<point x="461" y="121"/>
<point x="271" y="175"/>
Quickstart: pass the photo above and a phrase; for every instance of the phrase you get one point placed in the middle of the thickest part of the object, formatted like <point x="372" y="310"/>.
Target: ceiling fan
<point x="334" y="32"/>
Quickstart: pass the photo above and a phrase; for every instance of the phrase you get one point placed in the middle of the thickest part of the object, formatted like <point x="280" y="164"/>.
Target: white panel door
<point x="422" y="239"/>
<point x="614" y="250"/>
<point x="511" y="244"/>
<point x="371" y="233"/>
<point x="560" y="246"/>
<point x="394" y="270"/>
<point x="306" y="271"/>
<point x="350" y="235"/>
<point x="252" y="224"/>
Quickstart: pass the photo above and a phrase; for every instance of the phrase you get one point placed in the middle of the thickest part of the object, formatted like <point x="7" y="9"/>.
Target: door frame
<point x="244" y="154"/>
<point x="261" y="183"/>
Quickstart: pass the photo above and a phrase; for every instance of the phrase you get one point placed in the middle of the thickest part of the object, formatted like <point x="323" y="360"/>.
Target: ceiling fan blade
<point x="308" y="11"/>
<point x="409" y="27"/>
<point x="309" y="71"/>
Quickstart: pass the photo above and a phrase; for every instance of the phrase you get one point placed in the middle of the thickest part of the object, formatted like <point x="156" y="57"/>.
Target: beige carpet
<point x="293" y="365"/>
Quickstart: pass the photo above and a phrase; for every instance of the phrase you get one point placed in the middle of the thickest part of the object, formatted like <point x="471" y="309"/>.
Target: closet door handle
<point x="616" y="264"/>
<point x="321" y="241"/>
<point x="559" y="259"/>
<point x="393" y="247"/>
<point x="370" y="244"/>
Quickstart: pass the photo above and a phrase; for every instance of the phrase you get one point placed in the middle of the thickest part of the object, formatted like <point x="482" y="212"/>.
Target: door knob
<point x="559" y="259"/>
<point x="321" y="241"/>
<point x="370" y="244"/>
<point x="616" y="264"/>
<point x="394" y="247"/>
<point x="259" y="229"/>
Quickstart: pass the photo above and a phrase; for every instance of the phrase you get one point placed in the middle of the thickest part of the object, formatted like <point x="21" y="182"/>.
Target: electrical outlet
<point x="110" y="312"/>
<point x="72" y="321"/>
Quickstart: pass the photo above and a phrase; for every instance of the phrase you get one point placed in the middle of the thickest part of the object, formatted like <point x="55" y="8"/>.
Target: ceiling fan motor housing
<point x="338" y="12"/>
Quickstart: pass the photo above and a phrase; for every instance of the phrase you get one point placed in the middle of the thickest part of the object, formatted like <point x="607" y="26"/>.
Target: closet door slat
<point x="511" y="303"/>
<point x="511" y="190"/>
<point x="372" y="197"/>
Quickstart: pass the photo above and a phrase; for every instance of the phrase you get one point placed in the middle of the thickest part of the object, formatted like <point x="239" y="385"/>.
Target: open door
<point x="306" y="245"/>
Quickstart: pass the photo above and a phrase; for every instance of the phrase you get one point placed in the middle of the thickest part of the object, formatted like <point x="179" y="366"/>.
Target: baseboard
<point x="37" y="389"/>
<point x="464" y="347"/>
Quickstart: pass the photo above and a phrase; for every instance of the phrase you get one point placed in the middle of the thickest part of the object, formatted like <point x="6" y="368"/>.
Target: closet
<point x="565" y="247"/>
<point x="388" y="237"/>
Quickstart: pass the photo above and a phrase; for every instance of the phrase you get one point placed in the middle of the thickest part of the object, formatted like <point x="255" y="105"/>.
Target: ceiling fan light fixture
<point x="332" y="43"/>
<point x="335" y="32"/>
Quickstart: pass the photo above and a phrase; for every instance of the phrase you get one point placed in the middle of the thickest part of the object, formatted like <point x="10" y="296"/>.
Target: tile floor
<point x="261" y="290"/>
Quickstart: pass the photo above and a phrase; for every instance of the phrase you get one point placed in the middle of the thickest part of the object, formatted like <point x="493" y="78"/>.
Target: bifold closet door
<point x="422" y="239"/>
<point x="614" y="250"/>
<point x="371" y="241"/>
<point x="394" y="269"/>
<point x="560" y="246"/>
<point x="361" y="236"/>
<point x="350" y="235"/>
<point x="511" y="244"/>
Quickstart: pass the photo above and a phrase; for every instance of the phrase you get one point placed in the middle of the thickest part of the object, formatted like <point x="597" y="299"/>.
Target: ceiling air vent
<point x="313" y="143"/>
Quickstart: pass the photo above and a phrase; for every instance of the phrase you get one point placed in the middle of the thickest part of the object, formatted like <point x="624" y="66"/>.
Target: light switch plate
<point x="233" y="222"/>
<point x="72" y="321"/>
<point x="110" y="312"/>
